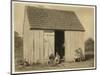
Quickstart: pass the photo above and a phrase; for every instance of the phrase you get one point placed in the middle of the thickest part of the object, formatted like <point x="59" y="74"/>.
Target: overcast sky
<point x="85" y="15"/>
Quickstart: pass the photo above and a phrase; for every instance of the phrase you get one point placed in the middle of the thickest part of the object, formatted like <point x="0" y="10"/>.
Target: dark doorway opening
<point x="59" y="43"/>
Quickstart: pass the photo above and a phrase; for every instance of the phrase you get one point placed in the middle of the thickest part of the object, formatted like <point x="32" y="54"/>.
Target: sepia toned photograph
<point x="49" y="37"/>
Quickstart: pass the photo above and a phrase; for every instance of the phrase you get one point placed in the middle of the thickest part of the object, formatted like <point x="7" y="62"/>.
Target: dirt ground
<point x="84" y="64"/>
<point x="65" y="65"/>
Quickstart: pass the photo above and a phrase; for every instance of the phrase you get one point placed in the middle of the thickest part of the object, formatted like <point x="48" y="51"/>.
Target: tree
<point x="18" y="41"/>
<point x="89" y="48"/>
<point x="89" y="44"/>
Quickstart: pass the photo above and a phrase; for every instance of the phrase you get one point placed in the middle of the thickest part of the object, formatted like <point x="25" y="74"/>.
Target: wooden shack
<point x="47" y="31"/>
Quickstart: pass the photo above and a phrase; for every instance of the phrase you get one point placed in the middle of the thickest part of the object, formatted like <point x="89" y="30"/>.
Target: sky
<point x="85" y="14"/>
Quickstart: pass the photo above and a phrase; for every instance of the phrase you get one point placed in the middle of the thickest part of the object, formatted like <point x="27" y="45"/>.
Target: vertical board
<point x="48" y="43"/>
<point x="45" y="43"/>
<point x="67" y="46"/>
<point x="41" y="46"/>
<point x="38" y="46"/>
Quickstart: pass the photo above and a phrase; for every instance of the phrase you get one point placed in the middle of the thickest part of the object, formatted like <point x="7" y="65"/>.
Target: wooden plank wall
<point x="27" y="42"/>
<point x="38" y="46"/>
<point x="73" y="41"/>
<point x="41" y="46"/>
<point x="48" y="44"/>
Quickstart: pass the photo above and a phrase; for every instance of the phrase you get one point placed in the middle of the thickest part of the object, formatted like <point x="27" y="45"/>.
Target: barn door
<point x="48" y="43"/>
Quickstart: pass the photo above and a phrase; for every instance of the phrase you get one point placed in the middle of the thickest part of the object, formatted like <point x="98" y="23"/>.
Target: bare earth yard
<point x="65" y="65"/>
<point x="84" y="64"/>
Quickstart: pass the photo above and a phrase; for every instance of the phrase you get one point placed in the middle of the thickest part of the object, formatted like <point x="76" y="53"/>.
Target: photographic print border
<point x="95" y="18"/>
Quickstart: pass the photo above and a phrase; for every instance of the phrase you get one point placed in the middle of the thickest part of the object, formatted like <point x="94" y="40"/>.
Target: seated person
<point x="78" y="55"/>
<point x="57" y="58"/>
<point x="51" y="59"/>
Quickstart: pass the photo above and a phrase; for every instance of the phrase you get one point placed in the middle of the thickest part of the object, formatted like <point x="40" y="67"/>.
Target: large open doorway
<point x="59" y="43"/>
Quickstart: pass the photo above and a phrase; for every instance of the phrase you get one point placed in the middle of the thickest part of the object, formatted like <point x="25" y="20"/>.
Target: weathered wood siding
<point x="37" y="44"/>
<point x="73" y="41"/>
<point x="27" y="41"/>
<point x="48" y="44"/>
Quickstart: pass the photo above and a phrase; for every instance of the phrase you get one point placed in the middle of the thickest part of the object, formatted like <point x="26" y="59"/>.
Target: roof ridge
<point x="50" y="9"/>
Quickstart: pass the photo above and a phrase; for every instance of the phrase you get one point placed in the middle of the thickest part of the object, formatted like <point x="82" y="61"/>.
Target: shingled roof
<point x="41" y="18"/>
